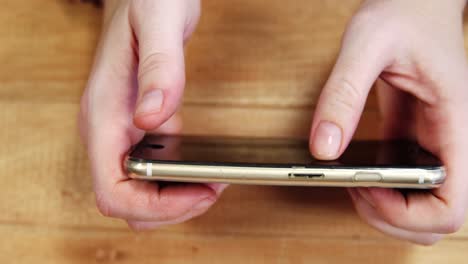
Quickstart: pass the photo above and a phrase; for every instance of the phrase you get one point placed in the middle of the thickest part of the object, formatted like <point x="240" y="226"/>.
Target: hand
<point x="415" y="50"/>
<point x="135" y="86"/>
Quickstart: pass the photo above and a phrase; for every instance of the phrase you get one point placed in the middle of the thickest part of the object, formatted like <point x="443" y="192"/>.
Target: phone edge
<point x="419" y="178"/>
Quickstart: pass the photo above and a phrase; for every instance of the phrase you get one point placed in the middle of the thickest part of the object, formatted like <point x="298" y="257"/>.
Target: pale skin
<point x="412" y="49"/>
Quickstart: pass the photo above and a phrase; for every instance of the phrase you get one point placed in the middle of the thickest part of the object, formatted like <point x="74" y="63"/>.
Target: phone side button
<point x="367" y="177"/>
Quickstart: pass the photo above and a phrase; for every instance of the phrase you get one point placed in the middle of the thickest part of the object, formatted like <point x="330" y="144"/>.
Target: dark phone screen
<point x="277" y="152"/>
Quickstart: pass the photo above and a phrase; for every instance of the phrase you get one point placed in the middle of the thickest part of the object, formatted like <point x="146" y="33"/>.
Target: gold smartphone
<point x="392" y="164"/>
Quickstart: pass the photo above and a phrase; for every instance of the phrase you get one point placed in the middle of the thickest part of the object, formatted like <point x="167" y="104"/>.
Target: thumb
<point x="342" y="100"/>
<point x="161" y="69"/>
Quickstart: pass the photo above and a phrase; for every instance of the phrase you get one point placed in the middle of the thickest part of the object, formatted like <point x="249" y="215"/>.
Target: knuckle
<point x="345" y="95"/>
<point x="160" y="70"/>
<point x="350" y="90"/>
<point x="152" y="62"/>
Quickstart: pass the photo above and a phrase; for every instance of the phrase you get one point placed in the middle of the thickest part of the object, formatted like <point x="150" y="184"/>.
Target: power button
<point x="367" y="177"/>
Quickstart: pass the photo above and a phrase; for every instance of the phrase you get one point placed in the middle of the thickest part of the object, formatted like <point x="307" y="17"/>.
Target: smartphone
<point x="392" y="164"/>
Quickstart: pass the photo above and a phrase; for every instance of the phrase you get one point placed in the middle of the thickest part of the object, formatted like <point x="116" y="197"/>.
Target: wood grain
<point x="97" y="246"/>
<point x="260" y="63"/>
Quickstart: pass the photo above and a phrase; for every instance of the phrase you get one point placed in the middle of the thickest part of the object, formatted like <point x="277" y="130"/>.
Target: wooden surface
<point x="259" y="62"/>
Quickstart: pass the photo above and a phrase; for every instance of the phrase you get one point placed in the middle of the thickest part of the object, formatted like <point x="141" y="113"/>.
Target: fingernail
<point x="203" y="204"/>
<point x="151" y="102"/>
<point x="327" y="140"/>
<point x="364" y="192"/>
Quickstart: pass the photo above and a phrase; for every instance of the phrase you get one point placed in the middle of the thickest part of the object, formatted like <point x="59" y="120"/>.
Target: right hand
<point x="414" y="49"/>
<point x="135" y="86"/>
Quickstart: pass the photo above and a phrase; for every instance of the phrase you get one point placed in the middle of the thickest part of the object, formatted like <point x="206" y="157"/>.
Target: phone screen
<point x="277" y="152"/>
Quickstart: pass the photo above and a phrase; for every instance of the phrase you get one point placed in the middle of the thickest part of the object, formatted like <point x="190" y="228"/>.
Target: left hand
<point x="135" y="87"/>
<point x="414" y="49"/>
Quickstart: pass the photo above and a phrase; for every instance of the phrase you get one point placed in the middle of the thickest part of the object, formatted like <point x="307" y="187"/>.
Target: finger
<point x="342" y="100"/>
<point x="193" y="212"/>
<point x="146" y="201"/>
<point x="371" y="216"/>
<point x="161" y="69"/>
<point x="418" y="211"/>
<point x="145" y="225"/>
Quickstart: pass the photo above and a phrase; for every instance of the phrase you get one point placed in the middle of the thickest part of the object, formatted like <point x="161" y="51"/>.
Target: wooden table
<point x="257" y="63"/>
